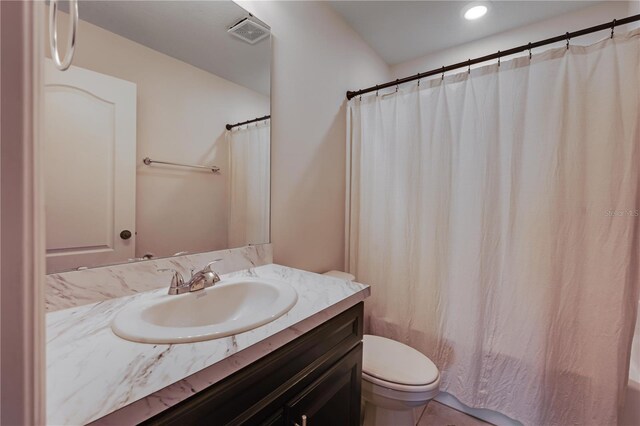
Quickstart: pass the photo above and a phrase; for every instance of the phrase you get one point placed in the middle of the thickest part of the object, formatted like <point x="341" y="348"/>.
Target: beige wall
<point x="317" y="57"/>
<point x="583" y="18"/>
<point x="181" y="114"/>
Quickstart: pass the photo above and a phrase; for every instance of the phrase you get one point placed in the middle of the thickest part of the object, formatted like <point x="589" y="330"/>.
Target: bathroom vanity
<point x="315" y="379"/>
<point x="305" y="363"/>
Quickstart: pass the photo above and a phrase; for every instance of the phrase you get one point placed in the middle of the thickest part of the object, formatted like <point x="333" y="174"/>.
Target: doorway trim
<point x="22" y="326"/>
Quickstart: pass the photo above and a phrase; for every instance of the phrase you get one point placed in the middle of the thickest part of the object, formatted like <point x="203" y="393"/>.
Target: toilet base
<point x="378" y="416"/>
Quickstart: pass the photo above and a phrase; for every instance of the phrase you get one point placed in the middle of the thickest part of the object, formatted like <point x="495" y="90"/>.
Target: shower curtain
<point x="495" y="215"/>
<point x="249" y="152"/>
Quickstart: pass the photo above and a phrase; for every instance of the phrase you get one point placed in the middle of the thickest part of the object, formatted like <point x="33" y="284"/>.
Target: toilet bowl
<point x="396" y="379"/>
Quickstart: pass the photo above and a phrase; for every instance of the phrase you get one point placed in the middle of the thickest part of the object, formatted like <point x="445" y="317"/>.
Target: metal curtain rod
<point x="148" y="161"/>
<point x="231" y="126"/>
<point x="567" y="36"/>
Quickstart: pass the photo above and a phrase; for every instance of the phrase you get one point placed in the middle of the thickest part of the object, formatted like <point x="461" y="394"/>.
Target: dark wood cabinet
<point x="317" y="376"/>
<point x="334" y="398"/>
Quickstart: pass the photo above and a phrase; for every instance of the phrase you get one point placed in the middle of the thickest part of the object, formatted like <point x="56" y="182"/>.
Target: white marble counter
<point x="75" y="288"/>
<point x="94" y="375"/>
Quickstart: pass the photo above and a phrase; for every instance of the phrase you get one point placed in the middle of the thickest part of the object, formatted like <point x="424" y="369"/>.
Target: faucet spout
<point x="202" y="279"/>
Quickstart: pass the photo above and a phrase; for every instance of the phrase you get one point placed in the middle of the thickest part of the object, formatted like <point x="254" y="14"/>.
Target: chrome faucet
<point x="202" y="279"/>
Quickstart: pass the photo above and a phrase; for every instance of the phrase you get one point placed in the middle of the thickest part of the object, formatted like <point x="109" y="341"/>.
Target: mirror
<point x="148" y="97"/>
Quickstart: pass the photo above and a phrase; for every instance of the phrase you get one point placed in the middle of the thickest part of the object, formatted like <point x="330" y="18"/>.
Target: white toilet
<point x="396" y="379"/>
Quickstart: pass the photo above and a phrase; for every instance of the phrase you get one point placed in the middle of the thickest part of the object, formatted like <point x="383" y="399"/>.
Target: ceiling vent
<point x="249" y="31"/>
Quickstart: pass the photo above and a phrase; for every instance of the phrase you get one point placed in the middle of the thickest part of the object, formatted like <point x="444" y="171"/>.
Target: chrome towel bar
<point x="148" y="161"/>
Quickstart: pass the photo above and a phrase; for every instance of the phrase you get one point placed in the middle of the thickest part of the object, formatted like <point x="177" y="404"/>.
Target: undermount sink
<point x="230" y="307"/>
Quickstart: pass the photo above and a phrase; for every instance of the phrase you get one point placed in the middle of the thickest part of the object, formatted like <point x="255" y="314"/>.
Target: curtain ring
<point x="376" y="90"/>
<point x="529" y="50"/>
<point x="418" y="77"/>
<point x="613" y="25"/>
<point x="498" y="58"/>
<point x="64" y="63"/>
<point x="567" y="35"/>
<point x="397" y="85"/>
<point x="469" y="68"/>
<point x="442" y="73"/>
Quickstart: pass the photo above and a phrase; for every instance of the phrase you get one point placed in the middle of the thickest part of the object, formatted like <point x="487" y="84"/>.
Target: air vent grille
<point x="249" y="31"/>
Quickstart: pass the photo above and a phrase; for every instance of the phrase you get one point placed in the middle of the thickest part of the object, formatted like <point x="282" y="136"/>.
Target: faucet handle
<point x="212" y="275"/>
<point x="176" y="281"/>
<point x="208" y="267"/>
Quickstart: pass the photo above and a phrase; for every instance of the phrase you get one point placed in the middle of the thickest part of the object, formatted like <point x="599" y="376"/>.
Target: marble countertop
<point x="95" y="376"/>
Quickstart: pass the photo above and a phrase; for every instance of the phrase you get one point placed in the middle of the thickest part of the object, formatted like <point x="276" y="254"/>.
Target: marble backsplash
<point x="75" y="288"/>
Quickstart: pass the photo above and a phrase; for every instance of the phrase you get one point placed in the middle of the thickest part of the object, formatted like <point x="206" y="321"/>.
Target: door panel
<point x="89" y="162"/>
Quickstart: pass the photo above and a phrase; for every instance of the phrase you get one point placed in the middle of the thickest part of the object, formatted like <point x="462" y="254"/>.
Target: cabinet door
<point x="334" y="398"/>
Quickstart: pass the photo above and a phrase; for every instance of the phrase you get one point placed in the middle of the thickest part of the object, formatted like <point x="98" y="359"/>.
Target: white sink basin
<point x="229" y="307"/>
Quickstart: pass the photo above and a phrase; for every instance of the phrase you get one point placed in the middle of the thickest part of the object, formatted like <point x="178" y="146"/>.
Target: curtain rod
<point x="231" y="126"/>
<point x="567" y="36"/>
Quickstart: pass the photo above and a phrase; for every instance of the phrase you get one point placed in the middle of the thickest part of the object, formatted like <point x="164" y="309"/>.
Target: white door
<point x="89" y="160"/>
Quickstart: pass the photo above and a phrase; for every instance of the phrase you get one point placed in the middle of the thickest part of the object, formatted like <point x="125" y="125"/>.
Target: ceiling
<point x="403" y="30"/>
<point x="194" y="32"/>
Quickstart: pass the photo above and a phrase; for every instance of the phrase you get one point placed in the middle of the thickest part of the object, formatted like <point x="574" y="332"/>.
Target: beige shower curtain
<point x="495" y="215"/>
<point x="249" y="152"/>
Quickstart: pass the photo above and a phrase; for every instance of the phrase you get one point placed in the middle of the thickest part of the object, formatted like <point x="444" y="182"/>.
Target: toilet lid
<point x="396" y="362"/>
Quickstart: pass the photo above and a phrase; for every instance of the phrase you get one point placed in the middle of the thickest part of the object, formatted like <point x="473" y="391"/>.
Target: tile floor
<point x="437" y="414"/>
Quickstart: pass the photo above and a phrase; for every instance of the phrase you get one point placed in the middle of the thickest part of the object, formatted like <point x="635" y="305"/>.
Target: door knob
<point x="125" y="235"/>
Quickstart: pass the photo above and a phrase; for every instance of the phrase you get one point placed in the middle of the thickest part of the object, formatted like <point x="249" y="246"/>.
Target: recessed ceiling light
<point x="475" y="11"/>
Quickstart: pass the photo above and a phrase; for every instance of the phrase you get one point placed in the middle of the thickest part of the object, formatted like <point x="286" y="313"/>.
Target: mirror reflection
<point x="138" y="159"/>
